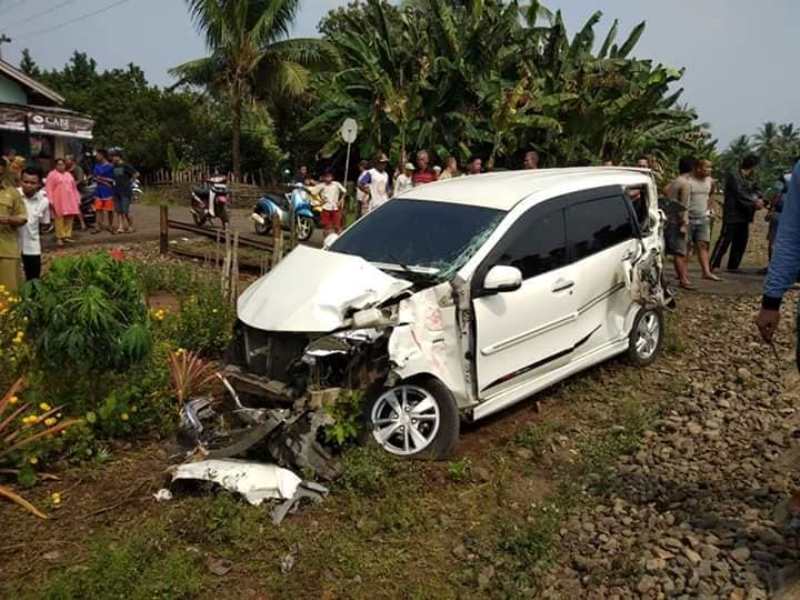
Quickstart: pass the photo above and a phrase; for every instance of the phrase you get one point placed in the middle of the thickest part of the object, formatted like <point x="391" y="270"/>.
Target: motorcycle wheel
<point x="224" y="217"/>
<point x="261" y="229"/>
<point x="198" y="220"/>
<point x="305" y="228"/>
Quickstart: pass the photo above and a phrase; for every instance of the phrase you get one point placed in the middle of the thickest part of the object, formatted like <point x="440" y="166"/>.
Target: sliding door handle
<point x="562" y="285"/>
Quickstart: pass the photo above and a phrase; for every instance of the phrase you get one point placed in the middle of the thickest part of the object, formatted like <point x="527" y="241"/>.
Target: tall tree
<point x="27" y="65"/>
<point x="251" y="55"/>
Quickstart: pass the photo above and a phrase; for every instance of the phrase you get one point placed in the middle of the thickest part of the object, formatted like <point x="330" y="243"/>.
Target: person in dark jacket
<point x="742" y="200"/>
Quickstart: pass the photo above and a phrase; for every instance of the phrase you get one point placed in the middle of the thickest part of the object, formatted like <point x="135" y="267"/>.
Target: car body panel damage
<point x="313" y="290"/>
<point x="427" y="339"/>
<point x="257" y="482"/>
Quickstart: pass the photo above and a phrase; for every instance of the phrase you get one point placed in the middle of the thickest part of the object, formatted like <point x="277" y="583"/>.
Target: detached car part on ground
<point x="457" y="300"/>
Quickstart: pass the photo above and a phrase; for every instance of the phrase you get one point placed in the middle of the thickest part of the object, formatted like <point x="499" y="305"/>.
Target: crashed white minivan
<point x="461" y="298"/>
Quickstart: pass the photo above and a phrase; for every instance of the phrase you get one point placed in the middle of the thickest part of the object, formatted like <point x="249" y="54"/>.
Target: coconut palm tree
<point x="251" y="55"/>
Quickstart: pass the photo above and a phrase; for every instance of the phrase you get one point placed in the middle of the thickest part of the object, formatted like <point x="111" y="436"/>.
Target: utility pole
<point x="4" y="39"/>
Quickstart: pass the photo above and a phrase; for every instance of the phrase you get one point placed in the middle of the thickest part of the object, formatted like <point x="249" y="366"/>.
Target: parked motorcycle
<point x="88" y="193"/>
<point x="210" y="201"/>
<point x="306" y="218"/>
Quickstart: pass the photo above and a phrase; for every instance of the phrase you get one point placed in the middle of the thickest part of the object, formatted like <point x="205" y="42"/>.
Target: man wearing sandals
<point x="124" y="174"/>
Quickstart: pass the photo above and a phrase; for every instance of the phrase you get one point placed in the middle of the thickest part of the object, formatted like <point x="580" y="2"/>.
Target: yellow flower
<point x="124" y="416"/>
<point x="44" y="406"/>
<point x="30" y="419"/>
<point x="13" y="400"/>
<point x="51" y="421"/>
<point x="55" y="498"/>
<point x="33" y="460"/>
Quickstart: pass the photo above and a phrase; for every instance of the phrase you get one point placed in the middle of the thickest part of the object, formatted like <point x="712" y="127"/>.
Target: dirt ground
<point x="509" y="516"/>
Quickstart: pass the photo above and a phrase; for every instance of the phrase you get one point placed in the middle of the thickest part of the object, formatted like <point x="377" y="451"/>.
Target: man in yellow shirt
<point x="12" y="216"/>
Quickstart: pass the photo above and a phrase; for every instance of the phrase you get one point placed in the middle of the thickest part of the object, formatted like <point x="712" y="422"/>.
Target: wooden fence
<point x="200" y="174"/>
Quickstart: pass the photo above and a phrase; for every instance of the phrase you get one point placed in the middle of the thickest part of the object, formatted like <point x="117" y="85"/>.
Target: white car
<point x="461" y="298"/>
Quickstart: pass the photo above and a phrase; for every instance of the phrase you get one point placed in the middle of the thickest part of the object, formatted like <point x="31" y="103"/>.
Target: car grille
<point x="270" y="354"/>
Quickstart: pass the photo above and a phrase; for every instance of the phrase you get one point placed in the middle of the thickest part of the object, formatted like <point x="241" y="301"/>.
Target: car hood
<point x="314" y="290"/>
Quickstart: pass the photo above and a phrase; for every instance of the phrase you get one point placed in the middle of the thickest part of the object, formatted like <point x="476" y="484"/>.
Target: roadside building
<point x="34" y="122"/>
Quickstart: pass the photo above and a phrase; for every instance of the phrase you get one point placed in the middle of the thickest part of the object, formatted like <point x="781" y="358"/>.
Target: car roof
<point x="504" y="189"/>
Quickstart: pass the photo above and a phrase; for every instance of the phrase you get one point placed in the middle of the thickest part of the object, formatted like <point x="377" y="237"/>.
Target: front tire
<point x="646" y="337"/>
<point x="417" y="419"/>
<point x="199" y="220"/>
<point x="305" y="228"/>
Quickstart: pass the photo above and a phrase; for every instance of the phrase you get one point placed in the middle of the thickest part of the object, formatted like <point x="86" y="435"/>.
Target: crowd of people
<point x="33" y="202"/>
<point x="376" y="184"/>
<point x="691" y="224"/>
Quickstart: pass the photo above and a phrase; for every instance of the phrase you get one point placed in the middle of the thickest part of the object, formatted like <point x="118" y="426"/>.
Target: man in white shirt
<point x="332" y="194"/>
<point x="376" y="183"/>
<point x="38" y="208"/>
<point x="405" y="180"/>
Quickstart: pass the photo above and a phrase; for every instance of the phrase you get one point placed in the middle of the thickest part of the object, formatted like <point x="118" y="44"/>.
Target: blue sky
<point x="740" y="56"/>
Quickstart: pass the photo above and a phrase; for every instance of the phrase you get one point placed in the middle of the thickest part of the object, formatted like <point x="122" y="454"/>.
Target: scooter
<point x="210" y="201"/>
<point x="88" y="194"/>
<point x="297" y="201"/>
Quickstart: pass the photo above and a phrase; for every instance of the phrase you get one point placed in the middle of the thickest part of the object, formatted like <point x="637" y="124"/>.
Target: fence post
<point x="292" y="227"/>
<point x="163" y="237"/>
<point x="277" y="240"/>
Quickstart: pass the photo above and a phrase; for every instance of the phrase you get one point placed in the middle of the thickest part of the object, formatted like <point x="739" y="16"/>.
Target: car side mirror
<point x="330" y="239"/>
<point x="501" y="278"/>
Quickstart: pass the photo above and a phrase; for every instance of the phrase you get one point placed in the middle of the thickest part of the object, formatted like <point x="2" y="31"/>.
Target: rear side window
<point x="537" y="243"/>
<point x="598" y="224"/>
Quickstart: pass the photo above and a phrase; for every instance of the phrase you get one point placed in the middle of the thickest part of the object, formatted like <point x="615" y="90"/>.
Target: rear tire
<point x="427" y="425"/>
<point x="646" y="337"/>
<point x="224" y="217"/>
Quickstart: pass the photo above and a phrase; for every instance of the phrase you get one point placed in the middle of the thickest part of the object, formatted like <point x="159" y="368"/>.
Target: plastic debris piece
<point x="163" y="495"/>
<point x="255" y="481"/>
<point x="307" y="489"/>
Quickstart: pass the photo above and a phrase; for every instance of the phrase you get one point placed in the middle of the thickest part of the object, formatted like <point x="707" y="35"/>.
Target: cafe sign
<point x="46" y="123"/>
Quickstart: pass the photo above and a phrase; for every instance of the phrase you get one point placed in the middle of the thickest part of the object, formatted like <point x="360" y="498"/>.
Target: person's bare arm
<point x="13" y="221"/>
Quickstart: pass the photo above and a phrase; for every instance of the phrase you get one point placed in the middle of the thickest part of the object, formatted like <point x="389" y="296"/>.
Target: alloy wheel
<point x="648" y="335"/>
<point x="405" y="420"/>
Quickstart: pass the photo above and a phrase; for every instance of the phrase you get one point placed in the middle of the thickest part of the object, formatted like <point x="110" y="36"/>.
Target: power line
<point x="37" y="15"/>
<point x="39" y="32"/>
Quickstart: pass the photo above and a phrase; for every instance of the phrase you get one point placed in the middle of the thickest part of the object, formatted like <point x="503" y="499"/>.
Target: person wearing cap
<point x="376" y="183"/>
<point x="405" y="181"/>
<point x="424" y="174"/>
<point x="332" y="194"/>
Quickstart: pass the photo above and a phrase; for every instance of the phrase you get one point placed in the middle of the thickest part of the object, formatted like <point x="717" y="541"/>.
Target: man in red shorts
<point x="333" y="194"/>
<point x="103" y="174"/>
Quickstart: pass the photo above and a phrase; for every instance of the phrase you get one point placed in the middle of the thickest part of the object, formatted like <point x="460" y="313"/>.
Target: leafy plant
<point x="190" y="374"/>
<point x="459" y="470"/>
<point x="87" y="318"/>
<point x="21" y="430"/>
<point x="347" y="414"/>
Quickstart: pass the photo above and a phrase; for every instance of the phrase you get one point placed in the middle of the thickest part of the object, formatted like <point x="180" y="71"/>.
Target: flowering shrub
<point x="27" y="432"/>
<point x="14" y="349"/>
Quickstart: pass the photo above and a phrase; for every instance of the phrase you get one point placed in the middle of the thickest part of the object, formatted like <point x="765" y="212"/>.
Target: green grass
<point x="146" y="566"/>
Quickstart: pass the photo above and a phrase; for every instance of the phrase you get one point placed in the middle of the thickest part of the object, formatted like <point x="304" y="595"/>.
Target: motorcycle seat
<point x="201" y="192"/>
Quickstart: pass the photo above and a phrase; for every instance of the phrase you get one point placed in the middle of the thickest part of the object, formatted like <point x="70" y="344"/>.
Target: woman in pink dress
<point x="64" y="199"/>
